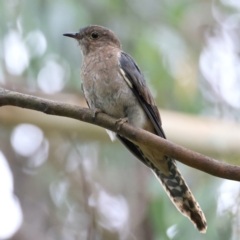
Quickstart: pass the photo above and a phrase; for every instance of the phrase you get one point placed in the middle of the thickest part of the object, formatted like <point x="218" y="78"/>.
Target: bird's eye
<point x="94" y="35"/>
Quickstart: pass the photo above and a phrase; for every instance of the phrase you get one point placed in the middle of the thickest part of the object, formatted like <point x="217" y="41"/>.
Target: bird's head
<point x="94" y="37"/>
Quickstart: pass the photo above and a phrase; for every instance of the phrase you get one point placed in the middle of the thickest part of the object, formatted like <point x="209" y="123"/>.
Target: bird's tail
<point x="180" y="194"/>
<point x="172" y="181"/>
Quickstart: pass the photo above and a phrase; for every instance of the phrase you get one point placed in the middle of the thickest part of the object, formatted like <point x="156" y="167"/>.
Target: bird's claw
<point x="95" y="112"/>
<point x="120" y="122"/>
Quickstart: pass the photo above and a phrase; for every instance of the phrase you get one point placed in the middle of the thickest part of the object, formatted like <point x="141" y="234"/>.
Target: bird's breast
<point x="105" y="89"/>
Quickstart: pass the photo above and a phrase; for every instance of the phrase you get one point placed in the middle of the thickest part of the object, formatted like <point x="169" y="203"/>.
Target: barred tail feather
<point x="173" y="183"/>
<point x="180" y="194"/>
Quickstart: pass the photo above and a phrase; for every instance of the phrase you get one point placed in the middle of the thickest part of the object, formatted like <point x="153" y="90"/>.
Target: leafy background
<point x="65" y="180"/>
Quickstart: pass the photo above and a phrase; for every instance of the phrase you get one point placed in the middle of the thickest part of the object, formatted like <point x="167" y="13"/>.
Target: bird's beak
<point x="72" y="35"/>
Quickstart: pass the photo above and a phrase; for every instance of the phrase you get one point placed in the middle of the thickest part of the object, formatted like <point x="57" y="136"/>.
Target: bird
<point x="113" y="83"/>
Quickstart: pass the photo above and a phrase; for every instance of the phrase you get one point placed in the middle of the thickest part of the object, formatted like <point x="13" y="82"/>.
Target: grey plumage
<point x="113" y="83"/>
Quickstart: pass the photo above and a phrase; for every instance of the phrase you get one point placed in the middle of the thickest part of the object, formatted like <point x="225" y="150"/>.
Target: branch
<point x="186" y="156"/>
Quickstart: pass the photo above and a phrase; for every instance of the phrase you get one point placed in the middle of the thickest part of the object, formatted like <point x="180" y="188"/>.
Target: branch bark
<point x="186" y="156"/>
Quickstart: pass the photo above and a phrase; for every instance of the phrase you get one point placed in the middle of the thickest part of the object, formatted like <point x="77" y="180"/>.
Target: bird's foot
<point x="120" y="122"/>
<point x="95" y="112"/>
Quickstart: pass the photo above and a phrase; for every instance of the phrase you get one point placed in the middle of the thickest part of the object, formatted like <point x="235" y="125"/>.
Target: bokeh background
<point x="65" y="180"/>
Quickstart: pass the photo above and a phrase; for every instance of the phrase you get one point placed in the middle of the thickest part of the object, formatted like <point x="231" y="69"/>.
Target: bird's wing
<point x="135" y="79"/>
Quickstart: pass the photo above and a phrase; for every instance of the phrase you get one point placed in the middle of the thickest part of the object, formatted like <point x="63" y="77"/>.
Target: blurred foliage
<point x="72" y="189"/>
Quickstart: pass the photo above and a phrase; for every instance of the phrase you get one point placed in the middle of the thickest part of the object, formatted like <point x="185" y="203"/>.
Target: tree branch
<point x="175" y="151"/>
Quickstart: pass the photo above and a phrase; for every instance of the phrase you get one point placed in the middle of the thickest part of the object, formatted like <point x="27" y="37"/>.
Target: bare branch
<point x="175" y="151"/>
